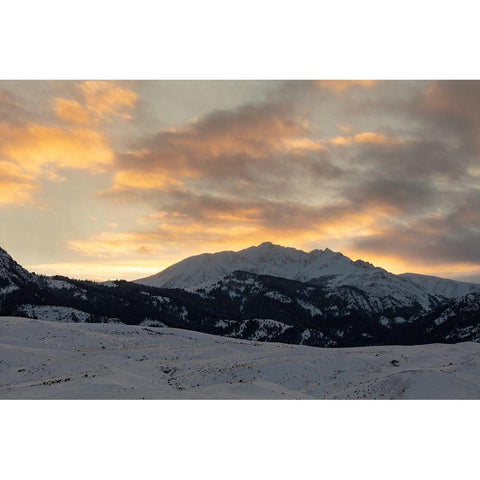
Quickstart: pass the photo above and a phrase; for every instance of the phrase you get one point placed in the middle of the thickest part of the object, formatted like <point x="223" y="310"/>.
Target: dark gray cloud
<point x="256" y="151"/>
<point x="451" y="236"/>
<point x="424" y="246"/>
<point x="400" y="195"/>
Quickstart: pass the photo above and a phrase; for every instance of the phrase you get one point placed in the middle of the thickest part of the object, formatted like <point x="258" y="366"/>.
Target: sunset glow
<point x="104" y="179"/>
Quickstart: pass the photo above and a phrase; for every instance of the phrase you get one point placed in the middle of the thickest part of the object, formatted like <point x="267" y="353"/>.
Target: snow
<point x="444" y="317"/>
<point x="150" y="322"/>
<point x="306" y="334"/>
<point x="385" y="321"/>
<point x="273" y="295"/>
<point x="59" y="284"/>
<point x="42" y="359"/>
<point x="312" y="309"/>
<point x="160" y="300"/>
<point x="57" y="313"/>
<point x="12" y="274"/>
<point x="53" y="313"/>
<point x="224" y="323"/>
<point x="442" y="286"/>
<point x="8" y="289"/>
<point x="263" y="331"/>
<point x="267" y="259"/>
<point x="323" y="267"/>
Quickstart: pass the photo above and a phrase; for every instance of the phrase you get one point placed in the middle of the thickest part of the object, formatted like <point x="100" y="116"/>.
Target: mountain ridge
<point x="228" y="261"/>
<point x="317" y="266"/>
<point x="349" y="304"/>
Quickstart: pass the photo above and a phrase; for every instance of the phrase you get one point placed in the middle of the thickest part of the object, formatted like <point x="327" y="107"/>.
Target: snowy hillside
<point x="42" y="359"/>
<point x="442" y="286"/>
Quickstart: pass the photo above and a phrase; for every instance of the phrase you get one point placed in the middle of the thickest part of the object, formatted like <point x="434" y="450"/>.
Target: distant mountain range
<point x="319" y="267"/>
<point x="265" y="293"/>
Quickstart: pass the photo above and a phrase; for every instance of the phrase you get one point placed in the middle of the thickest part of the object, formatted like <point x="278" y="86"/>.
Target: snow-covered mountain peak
<point x="321" y="267"/>
<point x="266" y="258"/>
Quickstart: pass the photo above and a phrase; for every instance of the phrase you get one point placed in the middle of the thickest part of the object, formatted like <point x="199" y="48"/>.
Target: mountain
<point x="442" y="286"/>
<point x="320" y="267"/>
<point x="332" y="301"/>
<point x="454" y="321"/>
<point x="12" y="275"/>
<point x="265" y="259"/>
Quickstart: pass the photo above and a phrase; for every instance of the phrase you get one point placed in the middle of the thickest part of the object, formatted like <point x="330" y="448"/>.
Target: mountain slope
<point x="454" y="321"/>
<point x="321" y="267"/>
<point x="356" y="306"/>
<point x="443" y="287"/>
<point x="12" y="275"/>
<point x="264" y="259"/>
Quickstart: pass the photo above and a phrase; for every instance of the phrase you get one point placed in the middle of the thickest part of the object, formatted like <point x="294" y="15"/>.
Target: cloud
<point x="32" y="152"/>
<point x="421" y="243"/>
<point x="253" y="130"/>
<point x="184" y="221"/>
<point x="99" y="271"/>
<point x="15" y="186"/>
<point x="452" y="101"/>
<point x="341" y="86"/>
<point x="263" y="172"/>
<point x="10" y="110"/>
<point x="450" y="235"/>
<point x="235" y="147"/>
<point x="365" y="138"/>
<point x="386" y="170"/>
<point x="107" y="99"/>
<point x="71" y="111"/>
<point x="37" y="147"/>
<point x="99" y="101"/>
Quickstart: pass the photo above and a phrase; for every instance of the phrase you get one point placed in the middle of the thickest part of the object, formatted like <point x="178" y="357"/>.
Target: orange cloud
<point x="110" y="244"/>
<point x="172" y="236"/>
<point x="224" y="143"/>
<point x="36" y="146"/>
<point x="102" y="100"/>
<point x="15" y="186"/>
<point x="71" y="111"/>
<point x="341" y="86"/>
<point x="365" y="138"/>
<point x="144" y="180"/>
<point x="107" y="99"/>
<point x="29" y="153"/>
<point x="300" y="144"/>
<point x="33" y="151"/>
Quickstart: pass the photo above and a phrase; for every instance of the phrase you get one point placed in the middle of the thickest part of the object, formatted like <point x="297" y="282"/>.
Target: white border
<point x="240" y="40"/>
<point x="248" y="39"/>
<point x="239" y="439"/>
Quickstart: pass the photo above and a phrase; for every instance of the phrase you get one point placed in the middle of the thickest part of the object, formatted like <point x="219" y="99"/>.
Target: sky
<point x="120" y="179"/>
